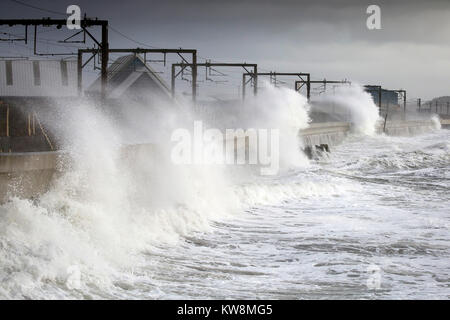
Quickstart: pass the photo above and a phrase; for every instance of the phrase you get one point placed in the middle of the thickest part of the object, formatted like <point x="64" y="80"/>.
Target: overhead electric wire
<point x="131" y="39"/>
<point x="37" y="8"/>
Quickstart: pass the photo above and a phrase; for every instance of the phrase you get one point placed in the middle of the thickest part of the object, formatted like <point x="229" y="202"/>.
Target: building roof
<point x="128" y="72"/>
<point x="38" y="78"/>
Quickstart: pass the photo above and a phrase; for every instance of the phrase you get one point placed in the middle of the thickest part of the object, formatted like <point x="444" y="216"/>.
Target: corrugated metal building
<point x="38" y="78"/>
<point x="27" y="89"/>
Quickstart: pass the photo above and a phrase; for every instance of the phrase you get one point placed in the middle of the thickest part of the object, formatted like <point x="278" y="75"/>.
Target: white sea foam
<point x="114" y="199"/>
<point x="111" y="224"/>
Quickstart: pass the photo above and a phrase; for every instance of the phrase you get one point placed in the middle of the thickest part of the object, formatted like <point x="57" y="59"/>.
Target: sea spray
<point x="109" y="204"/>
<point x="119" y="196"/>
<point x="351" y="103"/>
<point x="277" y="108"/>
<point x="286" y="110"/>
<point x="436" y="121"/>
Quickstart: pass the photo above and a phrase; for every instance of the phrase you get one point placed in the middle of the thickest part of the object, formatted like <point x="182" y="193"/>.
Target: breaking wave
<point x="115" y="199"/>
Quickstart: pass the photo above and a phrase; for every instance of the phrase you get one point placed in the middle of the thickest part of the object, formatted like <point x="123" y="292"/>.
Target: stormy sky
<point x="329" y="39"/>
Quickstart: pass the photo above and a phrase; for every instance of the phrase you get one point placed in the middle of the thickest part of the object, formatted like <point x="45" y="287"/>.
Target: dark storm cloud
<point x="402" y="20"/>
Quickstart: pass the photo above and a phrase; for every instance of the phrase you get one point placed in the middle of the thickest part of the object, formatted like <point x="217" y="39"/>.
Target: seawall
<point x="29" y="174"/>
<point x="445" y="123"/>
<point x="332" y="133"/>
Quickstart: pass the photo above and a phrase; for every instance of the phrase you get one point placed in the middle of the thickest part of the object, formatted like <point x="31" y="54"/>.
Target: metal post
<point x="194" y="76"/>
<point x="105" y="58"/>
<point x="172" y="82"/>
<point x="243" y="86"/>
<point x="7" y="120"/>
<point x="255" y="80"/>
<point x="29" y="123"/>
<point x="379" y="100"/>
<point x="80" y="72"/>
<point x="35" y="35"/>
<point x="404" y="102"/>
<point x="308" y="86"/>
<point x="419" y="102"/>
<point x="387" y="114"/>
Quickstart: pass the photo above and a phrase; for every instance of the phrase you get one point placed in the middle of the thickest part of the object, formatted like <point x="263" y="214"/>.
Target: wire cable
<point x="37" y="8"/>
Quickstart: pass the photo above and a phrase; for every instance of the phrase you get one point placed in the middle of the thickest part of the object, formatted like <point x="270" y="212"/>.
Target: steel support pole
<point x="172" y="82"/>
<point x="255" y="80"/>
<point x="105" y="58"/>
<point x="308" y="87"/>
<point x="80" y="72"/>
<point x="404" y="102"/>
<point x="387" y="112"/>
<point x="379" y="100"/>
<point x="243" y="86"/>
<point x="194" y="76"/>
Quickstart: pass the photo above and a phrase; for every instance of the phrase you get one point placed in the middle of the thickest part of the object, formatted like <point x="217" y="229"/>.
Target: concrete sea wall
<point x="445" y="123"/>
<point x="29" y="174"/>
<point x="330" y="133"/>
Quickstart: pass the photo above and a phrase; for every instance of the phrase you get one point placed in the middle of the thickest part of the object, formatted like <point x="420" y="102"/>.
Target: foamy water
<point x="318" y="233"/>
<point x="142" y="228"/>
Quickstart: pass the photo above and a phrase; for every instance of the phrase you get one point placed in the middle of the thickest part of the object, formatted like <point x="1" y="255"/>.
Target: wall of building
<point x="38" y="78"/>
